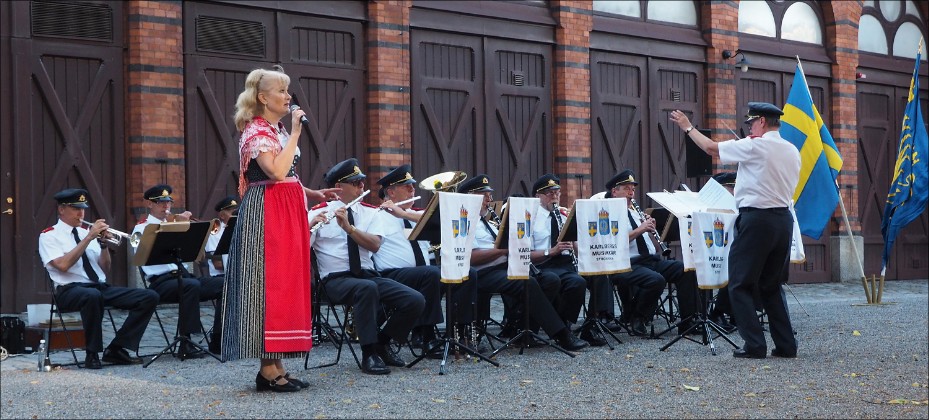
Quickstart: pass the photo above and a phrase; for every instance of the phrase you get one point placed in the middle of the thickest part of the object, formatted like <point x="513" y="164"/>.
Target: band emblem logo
<point x="460" y="226"/>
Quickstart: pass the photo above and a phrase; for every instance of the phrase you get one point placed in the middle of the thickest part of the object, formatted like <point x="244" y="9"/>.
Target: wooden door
<point x="518" y="113"/>
<point x="619" y="98"/>
<point x="447" y="75"/>
<point x="672" y="85"/>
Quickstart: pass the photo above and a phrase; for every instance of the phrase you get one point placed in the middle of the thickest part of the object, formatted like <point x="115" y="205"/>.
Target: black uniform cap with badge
<point x="73" y="197"/>
<point x="346" y="171"/>
<point x="399" y="176"/>
<point x="762" y="109"/>
<point x="159" y="193"/>
<point x="545" y="183"/>
<point x="479" y="183"/>
<point x="230" y="202"/>
<point x="725" y="178"/>
<point x="622" y="178"/>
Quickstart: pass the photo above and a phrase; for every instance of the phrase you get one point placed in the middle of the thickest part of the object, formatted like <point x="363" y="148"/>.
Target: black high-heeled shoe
<point x="262" y="384"/>
<point x="295" y="381"/>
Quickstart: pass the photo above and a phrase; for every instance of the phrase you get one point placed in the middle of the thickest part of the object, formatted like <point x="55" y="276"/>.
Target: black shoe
<point x="742" y="354"/>
<point x="416" y="338"/>
<point x="723" y="323"/>
<point x="570" y="342"/>
<point x="374" y="365"/>
<point x="778" y="353"/>
<point x="613" y="325"/>
<point x="637" y="327"/>
<point x="436" y="346"/>
<point x="92" y="361"/>
<point x="119" y="356"/>
<point x="388" y="356"/>
<point x="188" y="351"/>
<point x="593" y="336"/>
<point x="262" y="384"/>
<point x="295" y="381"/>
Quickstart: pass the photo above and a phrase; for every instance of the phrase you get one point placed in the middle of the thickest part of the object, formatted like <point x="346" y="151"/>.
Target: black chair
<point x="161" y="325"/>
<point x="55" y="309"/>
<point x="323" y="328"/>
<point x="668" y="308"/>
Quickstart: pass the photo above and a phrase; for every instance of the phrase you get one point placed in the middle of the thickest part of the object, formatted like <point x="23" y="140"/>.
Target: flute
<point x="400" y="203"/>
<point x="331" y="214"/>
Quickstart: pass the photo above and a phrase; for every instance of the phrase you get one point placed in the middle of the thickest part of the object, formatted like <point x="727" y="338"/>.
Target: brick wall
<point x="388" y="139"/>
<point x="571" y="90"/>
<point x="720" y="21"/>
<point x="155" y="101"/>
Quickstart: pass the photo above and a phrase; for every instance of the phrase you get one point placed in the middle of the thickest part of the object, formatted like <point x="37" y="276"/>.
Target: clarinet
<point x="664" y="247"/>
<point x="561" y="226"/>
<point x="494" y="215"/>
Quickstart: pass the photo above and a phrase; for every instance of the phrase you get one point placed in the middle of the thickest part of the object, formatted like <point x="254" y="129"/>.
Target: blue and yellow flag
<point x="906" y="199"/>
<point x="816" y="195"/>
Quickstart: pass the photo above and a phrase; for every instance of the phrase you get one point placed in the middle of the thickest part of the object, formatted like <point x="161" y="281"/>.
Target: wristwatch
<point x="546" y="252"/>
<point x="687" y="131"/>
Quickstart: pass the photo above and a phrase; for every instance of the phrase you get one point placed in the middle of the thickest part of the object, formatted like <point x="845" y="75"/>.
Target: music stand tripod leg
<point x="699" y="321"/>
<point x="525" y="334"/>
<point x="450" y="340"/>
<point x="179" y="339"/>
<point x="594" y="321"/>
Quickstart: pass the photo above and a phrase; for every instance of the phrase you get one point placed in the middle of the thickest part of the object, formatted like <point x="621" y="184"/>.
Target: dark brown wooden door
<point x="323" y="58"/>
<point x="447" y="75"/>
<point x="672" y="85"/>
<point x="774" y="87"/>
<point x="8" y="198"/>
<point x="518" y="113"/>
<point x="481" y="105"/>
<point x="69" y="134"/>
<point x="880" y="112"/>
<point x="619" y="98"/>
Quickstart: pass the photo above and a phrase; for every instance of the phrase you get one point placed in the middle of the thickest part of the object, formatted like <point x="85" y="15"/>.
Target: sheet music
<point x="717" y="196"/>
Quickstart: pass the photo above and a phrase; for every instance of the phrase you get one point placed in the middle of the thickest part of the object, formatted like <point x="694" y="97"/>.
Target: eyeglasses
<point x="552" y="193"/>
<point x="356" y="184"/>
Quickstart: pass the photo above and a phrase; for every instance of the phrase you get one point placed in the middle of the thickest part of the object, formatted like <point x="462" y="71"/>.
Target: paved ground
<point x="856" y="361"/>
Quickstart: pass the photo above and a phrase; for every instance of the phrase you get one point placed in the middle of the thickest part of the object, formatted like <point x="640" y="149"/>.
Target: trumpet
<point x="664" y="247"/>
<point x="116" y="237"/>
<point x="331" y="214"/>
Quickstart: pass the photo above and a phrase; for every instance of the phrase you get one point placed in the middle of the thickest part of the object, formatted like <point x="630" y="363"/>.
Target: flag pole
<point x="848" y="226"/>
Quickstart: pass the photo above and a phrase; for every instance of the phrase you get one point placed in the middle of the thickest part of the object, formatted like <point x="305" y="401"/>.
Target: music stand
<point x="701" y="321"/>
<point x="525" y="335"/>
<point x="173" y="243"/>
<point x="225" y="241"/>
<point x="569" y="233"/>
<point x="429" y="229"/>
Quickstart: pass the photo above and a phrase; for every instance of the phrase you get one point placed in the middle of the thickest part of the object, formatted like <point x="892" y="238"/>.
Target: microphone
<point x="306" y="123"/>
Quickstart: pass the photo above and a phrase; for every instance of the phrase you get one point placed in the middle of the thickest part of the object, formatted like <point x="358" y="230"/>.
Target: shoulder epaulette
<point x="417" y="209"/>
<point x="753" y="136"/>
<point x="142" y="220"/>
<point x="369" y="205"/>
<point x="319" y="206"/>
<point x="48" y="229"/>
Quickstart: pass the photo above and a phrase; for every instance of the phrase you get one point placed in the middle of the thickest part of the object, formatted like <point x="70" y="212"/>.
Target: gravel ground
<point x="855" y="361"/>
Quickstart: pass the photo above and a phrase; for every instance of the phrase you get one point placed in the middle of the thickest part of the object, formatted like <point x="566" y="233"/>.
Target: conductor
<point x="768" y="172"/>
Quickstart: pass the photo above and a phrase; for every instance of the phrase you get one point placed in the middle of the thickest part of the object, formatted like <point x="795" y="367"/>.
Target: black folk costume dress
<point x="267" y="311"/>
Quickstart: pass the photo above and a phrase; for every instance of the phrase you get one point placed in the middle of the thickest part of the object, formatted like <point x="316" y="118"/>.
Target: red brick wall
<point x="388" y="140"/>
<point x="155" y="101"/>
<point x="720" y="21"/>
<point x="571" y="97"/>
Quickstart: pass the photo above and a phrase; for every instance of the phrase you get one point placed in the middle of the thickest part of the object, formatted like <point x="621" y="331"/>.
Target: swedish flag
<point x="816" y="195"/>
<point x="909" y="189"/>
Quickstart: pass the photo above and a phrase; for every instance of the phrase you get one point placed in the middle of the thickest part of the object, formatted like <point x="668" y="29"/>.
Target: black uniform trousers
<point x="758" y="256"/>
<point x="91" y="298"/>
<point x="193" y="290"/>
<point x="640" y="289"/>
<point x="573" y="287"/>
<point x="366" y="294"/>
<point x="427" y="281"/>
<point x="541" y="310"/>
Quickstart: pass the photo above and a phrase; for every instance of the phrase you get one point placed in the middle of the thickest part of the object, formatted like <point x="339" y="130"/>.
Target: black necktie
<point x="354" y="258"/>
<point x="91" y="274"/>
<point x="489" y="229"/>
<point x="553" y="240"/>
<point x="417" y="250"/>
<point x="640" y="240"/>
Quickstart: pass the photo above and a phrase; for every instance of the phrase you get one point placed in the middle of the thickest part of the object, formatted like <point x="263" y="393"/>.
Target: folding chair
<point x="323" y="330"/>
<point x="55" y="309"/>
<point x="161" y="325"/>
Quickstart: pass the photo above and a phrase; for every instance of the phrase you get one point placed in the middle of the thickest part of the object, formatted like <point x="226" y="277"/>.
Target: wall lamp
<point x="741" y="64"/>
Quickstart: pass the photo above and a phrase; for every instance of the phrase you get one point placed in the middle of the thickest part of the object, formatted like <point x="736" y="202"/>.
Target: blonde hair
<point x="247" y="105"/>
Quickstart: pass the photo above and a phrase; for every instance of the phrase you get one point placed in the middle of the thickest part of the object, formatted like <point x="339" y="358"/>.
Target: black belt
<point x="751" y="209"/>
<point x="365" y="274"/>
<point x="65" y="287"/>
<point x="159" y="277"/>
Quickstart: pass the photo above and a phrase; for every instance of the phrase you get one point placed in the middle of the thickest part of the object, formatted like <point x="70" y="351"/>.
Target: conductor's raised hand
<point x="680" y="119"/>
